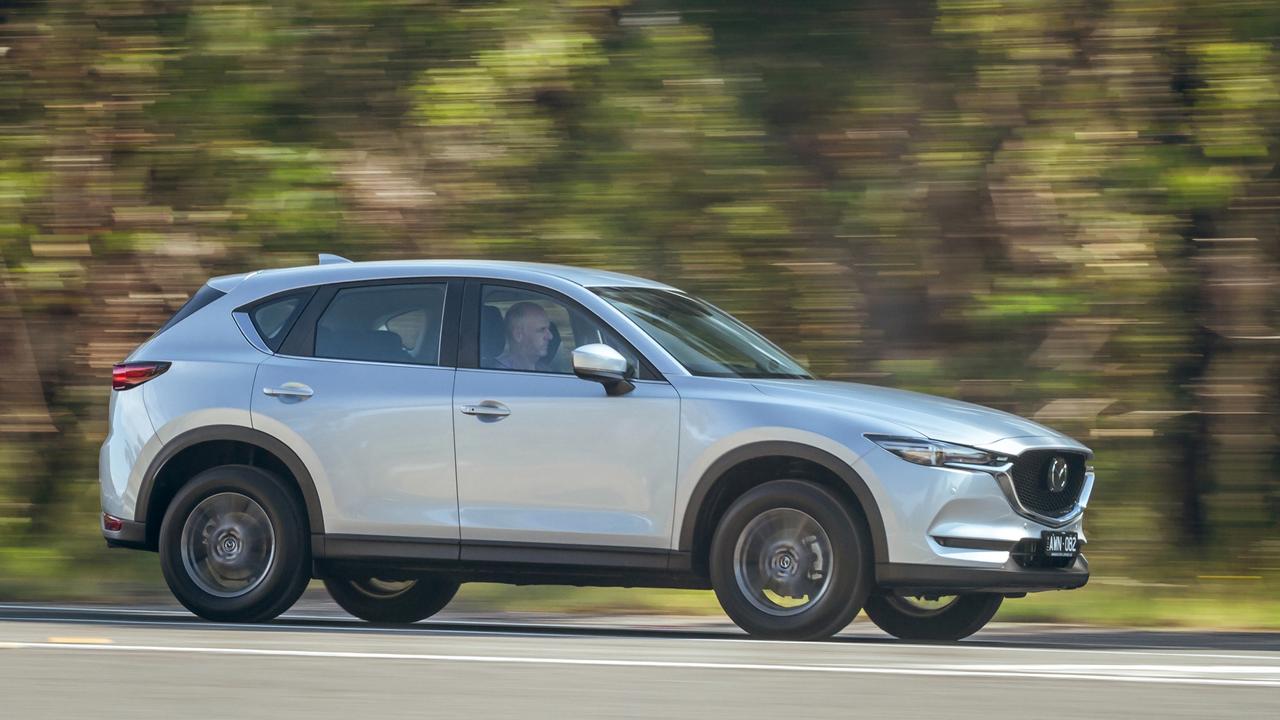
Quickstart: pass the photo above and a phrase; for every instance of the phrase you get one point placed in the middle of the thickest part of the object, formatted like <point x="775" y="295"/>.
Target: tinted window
<point x="383" y="323"/>
<point x="536" y="332"/>
<point x="202" y="297"/>
<point x="274" y="317"/>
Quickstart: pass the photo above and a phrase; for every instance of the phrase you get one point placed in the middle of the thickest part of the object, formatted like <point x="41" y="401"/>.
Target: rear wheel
<point x="951" y="617"/>
<point x="386" y="600"/>
<point x="234" y="545"/>
<point x="790" y="560"/>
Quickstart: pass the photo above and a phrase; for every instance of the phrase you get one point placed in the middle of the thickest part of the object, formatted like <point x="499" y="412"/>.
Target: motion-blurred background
<point x="1066" y="209"/>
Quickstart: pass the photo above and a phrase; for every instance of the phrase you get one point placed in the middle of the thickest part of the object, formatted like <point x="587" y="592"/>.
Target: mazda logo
<point x="1057" y="474"/>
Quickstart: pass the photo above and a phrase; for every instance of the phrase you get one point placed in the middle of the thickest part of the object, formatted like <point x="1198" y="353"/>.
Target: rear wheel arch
<point x="745" y="467"/>
<point x="194" y="451"/>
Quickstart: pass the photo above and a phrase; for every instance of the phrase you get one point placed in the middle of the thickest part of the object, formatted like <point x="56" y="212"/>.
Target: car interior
<point x="392" y="323"/>
<point x="493" y="336"/>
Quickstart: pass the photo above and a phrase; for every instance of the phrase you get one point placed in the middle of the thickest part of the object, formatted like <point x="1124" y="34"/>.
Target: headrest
<point x="493" y="334"/>
<point x="375" y="345"/>
<point x="553" y="346"/>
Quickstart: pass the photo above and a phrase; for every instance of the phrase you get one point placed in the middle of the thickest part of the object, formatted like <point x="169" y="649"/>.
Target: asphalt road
<point x="313" y="663"/>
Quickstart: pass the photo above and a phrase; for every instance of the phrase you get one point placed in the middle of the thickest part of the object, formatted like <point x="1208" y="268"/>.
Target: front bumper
<point x="1011" y="578"/>
<point x="954" y="520"/>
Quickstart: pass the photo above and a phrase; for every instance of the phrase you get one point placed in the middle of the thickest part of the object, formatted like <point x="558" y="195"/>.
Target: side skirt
<point x="502" y="562"/>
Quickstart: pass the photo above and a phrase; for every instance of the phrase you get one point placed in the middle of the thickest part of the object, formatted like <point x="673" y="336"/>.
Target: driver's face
<point x="533" y="334"/>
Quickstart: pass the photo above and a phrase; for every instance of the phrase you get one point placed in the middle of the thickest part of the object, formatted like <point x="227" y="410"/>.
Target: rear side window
<point x="202" y="297"/>
<point x="383" y="323"/>
<point x="273" y="318"/>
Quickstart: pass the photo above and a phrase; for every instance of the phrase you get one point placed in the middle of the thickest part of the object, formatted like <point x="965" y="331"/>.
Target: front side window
<point x="536" y="332"/>
<point x="383" y="323"/>
<point x="706" y="340"/>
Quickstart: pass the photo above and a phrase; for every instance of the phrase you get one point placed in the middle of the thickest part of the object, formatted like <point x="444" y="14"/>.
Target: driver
<point x="528" y="336"/>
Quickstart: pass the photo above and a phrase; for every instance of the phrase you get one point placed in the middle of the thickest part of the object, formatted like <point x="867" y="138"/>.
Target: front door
<point x="546" y="457"/>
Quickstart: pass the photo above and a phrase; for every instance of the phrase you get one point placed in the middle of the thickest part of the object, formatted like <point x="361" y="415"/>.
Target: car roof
<point x="266" y="282"/>
<point x="331" y="272"/>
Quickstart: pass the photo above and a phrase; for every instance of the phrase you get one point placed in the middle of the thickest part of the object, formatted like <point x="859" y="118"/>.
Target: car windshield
<point x="705" y="339"/>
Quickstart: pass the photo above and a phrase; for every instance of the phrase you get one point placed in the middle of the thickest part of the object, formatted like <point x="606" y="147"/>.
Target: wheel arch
<point x="746" y="466"/>
<point x="204" y="447"/>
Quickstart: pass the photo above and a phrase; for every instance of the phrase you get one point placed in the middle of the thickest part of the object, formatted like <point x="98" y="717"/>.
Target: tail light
<point x="128" y="375"/>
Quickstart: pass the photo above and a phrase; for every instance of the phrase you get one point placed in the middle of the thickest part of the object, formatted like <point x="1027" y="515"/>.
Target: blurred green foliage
<point x="1069" y="210"/>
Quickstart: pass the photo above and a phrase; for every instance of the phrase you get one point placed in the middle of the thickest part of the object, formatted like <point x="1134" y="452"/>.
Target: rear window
<point x="203" y="296"/>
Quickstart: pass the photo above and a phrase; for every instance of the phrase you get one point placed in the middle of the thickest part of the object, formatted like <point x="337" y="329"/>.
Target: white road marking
<point x="1021" y="673"/>
<point x="1094" y="667"/>
<point x="494" y="628"/>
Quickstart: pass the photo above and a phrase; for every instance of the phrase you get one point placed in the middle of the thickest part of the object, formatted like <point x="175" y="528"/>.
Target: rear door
<point x="362" y="389"/>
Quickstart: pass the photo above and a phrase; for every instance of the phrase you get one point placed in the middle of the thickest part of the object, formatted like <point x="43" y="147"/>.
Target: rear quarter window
<point x="273" y="318"/>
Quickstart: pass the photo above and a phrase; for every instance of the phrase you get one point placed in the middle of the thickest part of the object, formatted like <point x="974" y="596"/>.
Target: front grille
<point x="1031" y="482"/>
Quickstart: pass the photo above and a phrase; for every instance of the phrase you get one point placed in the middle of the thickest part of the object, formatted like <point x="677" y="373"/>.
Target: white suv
<point x="398" y="428"/>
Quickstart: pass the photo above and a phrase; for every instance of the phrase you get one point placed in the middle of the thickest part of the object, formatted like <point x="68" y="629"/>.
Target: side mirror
<point x="604" y="365"/>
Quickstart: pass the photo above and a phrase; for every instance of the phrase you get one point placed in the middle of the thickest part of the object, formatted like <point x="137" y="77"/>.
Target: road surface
<point x="125" y="662"/>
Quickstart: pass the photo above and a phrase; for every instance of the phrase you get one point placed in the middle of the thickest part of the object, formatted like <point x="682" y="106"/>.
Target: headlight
<point x="935" y="453"/>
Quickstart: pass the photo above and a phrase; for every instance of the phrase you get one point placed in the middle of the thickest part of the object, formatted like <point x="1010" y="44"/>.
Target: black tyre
<point x="947" y="618"/>
<point x="381" y="600"/>
<point x="790" y="560"/>
<point x="234" y="545"/>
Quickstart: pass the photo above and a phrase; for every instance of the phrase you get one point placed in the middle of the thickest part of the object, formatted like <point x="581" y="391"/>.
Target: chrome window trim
<point x="450" y="367"/>
<point x="366" y="362"/>
<point x="245" y="324"/>
<point x="541" y="373"/>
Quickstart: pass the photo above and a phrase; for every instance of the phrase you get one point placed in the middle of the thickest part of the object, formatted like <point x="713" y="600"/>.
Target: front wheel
<point x="393" y="601"/>
<point x="952" y="617"/>
<point x="791" y="560"/>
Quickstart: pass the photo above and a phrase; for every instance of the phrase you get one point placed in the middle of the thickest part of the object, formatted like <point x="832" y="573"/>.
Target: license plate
<point x="1059" y="544"/>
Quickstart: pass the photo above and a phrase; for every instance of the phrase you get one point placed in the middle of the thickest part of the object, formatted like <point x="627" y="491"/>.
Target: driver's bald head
<point x="522" y="311"/>
<point x="528" y="335"/>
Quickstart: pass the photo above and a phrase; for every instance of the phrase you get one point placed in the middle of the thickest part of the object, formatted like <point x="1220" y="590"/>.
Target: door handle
<point x="289" y="390"/>
<point x="487" y="409"/>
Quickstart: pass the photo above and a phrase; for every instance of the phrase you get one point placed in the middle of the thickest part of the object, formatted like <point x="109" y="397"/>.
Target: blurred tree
<point x="1066" y="209"/>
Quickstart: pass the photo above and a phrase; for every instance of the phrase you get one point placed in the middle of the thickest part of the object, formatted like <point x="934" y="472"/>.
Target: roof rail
<point x="330" y="259"/>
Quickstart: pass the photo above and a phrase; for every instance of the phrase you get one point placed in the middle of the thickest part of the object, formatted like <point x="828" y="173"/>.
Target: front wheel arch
<point x="748" y="466"/>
